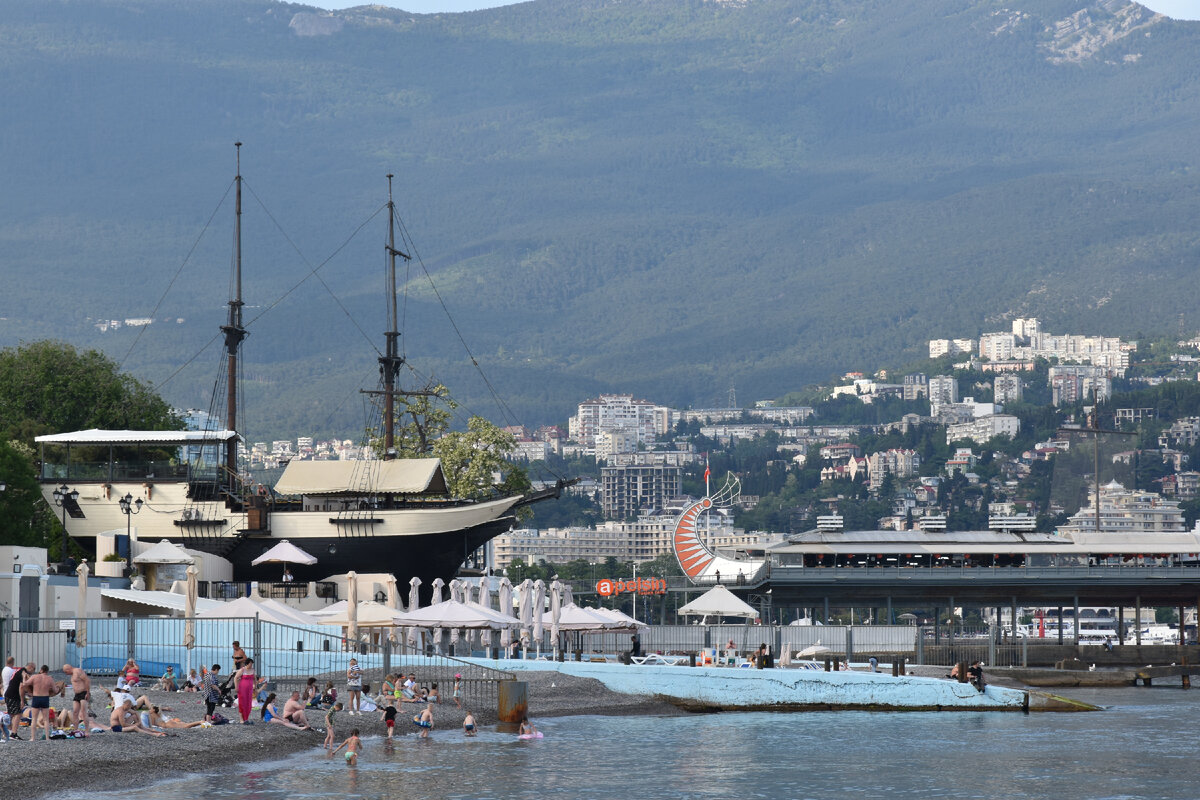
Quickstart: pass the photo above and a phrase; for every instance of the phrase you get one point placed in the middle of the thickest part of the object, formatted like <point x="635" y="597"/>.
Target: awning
<point x="96" y="436"/>
<point x="718" y="602"/>
<point x="165" y="600"/>
<point x="401" y="476"/>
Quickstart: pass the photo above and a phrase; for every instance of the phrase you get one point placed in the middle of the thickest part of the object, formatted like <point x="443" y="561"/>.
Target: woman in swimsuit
<point x="160" y="720"/>
<point x="271" y="714"/>
<point x="243" y="679"/>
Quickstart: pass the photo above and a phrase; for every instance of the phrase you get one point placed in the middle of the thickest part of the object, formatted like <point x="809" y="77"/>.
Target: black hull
<point x="426" y="556"/>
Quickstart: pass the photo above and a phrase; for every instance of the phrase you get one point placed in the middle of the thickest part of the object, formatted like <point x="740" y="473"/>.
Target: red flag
<point x="707" y="471"/>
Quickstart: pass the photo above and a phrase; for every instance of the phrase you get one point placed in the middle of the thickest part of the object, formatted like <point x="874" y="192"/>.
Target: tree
<point x="50" y="387"/>
<point x="420" y="420"/>
<point x="471" y="458"/>
<point x="24" y="519"/>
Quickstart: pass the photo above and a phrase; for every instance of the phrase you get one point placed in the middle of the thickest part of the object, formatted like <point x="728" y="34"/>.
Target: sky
<point x="1176" y="9"/>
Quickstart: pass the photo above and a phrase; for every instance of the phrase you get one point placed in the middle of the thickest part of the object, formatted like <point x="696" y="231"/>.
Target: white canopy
<point x="574" y="618"/>
<point x="168" y="600"/>
<point x="624" y="621"/>
<point x="285" y="553"/>
<point x="97" y="436"/>
<point x="165" y="552"/>
<point x="718" y="602"/>
<point x="370" y="614"/>
<point x="291" y="616"/>
<point x="400" y="476"/>
<point x="453" y="614"/>
<point x="245" y="607"/>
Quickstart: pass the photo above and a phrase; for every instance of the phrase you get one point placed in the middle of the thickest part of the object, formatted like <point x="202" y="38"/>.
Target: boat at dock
<point x="386" y="515"/>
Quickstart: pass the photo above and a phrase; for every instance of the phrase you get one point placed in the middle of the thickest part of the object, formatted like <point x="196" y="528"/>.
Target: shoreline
<point x="113" y="761"/>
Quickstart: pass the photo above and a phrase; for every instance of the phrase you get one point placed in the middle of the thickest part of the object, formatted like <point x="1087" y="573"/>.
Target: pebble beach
<point x="127" y="760"/>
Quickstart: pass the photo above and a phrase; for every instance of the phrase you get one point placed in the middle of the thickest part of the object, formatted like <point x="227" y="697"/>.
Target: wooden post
<point x="962" y="671"/>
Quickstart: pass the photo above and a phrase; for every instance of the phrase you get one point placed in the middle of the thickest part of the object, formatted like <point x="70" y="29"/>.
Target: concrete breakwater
<point x="728" y="688"/>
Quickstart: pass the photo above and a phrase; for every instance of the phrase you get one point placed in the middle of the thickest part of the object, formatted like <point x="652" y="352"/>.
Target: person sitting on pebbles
<point x="123" y="720"/>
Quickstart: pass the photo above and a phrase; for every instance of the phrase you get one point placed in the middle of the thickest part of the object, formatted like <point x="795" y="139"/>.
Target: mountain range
<point x="663" y="197"/>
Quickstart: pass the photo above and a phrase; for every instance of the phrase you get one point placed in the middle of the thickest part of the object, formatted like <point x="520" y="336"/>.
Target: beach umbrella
<point x="456" y="595"/>
<point x="352" y="608"/>
<point x="451" y="614"/>
<point x="436" y="596"/>
<point x="525" y="606"/>
<point x="556" y="588"/>
<point x="504" y="596"/>
<point x="412" y="635"/>
<point x="813" y="650"/>
<point x="393" y="601"/>
<point x="568" y="597"/>
<point x="483" y="597"/>
<point x="539" y="607"/>
<point x="81" y="627"/>
<point x="285" y="553"/>
<point x="192" y="594"/>
<point x="366" y="614"/>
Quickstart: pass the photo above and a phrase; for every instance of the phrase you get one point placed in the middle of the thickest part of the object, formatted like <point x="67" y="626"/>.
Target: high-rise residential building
<point x="627" y="489"/>
<point x="618" y="412"/>
<point x="1008" y="389"/>
<point x="997" y="346"/>
<point x="943" y="389"/>
<point x="950" y="347"/>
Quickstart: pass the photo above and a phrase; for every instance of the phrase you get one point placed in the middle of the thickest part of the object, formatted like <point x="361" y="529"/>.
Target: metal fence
<point x="286" y="655"/>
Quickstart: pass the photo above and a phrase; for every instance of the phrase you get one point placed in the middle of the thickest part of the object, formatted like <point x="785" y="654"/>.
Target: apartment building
<point x="627" y="489"/>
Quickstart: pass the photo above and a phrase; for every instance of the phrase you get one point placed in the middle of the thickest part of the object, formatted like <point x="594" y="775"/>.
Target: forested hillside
<point x="658" y="196"/>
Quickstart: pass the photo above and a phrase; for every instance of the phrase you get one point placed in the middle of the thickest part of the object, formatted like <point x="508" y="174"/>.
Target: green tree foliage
<point x="51" y="387"/>
<point x="471" y="458"/>
<point x="25" y="519"/>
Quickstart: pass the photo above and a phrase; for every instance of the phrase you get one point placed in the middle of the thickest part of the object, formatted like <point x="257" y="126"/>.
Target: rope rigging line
<point x="178" y="272"/>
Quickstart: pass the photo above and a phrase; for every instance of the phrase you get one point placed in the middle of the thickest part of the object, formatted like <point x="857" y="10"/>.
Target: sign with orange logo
<point x="608" y="587"/>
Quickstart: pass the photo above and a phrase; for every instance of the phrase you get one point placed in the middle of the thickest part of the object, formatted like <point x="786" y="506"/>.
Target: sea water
<point x="1142" y="746"/>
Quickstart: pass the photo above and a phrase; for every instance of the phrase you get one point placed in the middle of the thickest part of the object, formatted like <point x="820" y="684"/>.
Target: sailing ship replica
<point x="390" y="515"/>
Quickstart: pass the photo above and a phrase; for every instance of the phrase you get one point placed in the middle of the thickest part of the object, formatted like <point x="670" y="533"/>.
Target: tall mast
<point x="234" y="332"/>
<point x="391" y="361"/>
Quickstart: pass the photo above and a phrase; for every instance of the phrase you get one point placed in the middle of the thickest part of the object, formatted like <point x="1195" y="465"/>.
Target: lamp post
<point x="129" y="506"/>
<point x="62" y="496"/>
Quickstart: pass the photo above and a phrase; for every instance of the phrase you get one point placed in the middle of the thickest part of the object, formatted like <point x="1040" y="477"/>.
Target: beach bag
<point x="219" y="719"/>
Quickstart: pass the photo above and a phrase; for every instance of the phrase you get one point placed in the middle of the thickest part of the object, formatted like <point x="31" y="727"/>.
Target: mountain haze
<point x="658" y="196"/>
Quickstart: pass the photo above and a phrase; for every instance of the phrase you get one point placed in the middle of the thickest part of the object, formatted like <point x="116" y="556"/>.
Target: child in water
<point x="424" y="721"/>
<point x="329" y="715"/>
<point x="469" y="724"/>
<point x="389" y="717"/>
<point x="353" y="745"/>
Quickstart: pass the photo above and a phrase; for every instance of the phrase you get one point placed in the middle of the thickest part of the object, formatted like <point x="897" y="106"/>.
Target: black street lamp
<point x="63" y="496"/>
<point x="129" y="506"/>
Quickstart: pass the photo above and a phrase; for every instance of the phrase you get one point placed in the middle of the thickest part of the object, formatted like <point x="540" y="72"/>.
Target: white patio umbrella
<point x="568" y="596"/>
<point x="539" y="607"/>
<point x="813" y="650"/>
<point x="352" y="608"/>
<point x="412" y="635"/>
<point x="81" y="626"/>
<point x="451" y="614"/>
<point x="285" y="553"/>
<point x="286" y="615"/>
<point x="556" y="588"/>
<point x="436" y="597"/>
<point x="624" y="621"/>
<point x="504" y="596"/>
<point x="586" y="620"/>
<point x="483" y="597"/>
<point x="367" y="614"/>
<point x="456" y="594"/>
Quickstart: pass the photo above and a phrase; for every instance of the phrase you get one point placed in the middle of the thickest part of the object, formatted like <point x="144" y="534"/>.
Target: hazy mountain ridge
<point x="660" y="197"/>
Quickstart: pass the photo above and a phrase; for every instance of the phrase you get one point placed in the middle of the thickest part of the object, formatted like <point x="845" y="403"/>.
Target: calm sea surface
<point x="1144" y="746"/>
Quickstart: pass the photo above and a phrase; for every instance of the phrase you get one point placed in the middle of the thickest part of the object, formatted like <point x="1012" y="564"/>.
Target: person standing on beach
<point x="457" y="690"/>
<point x="354" y="686"/>
<point x="14" y="696"/>
<point x="81" y="687"/>
<point x="239" y="655"/>
<point x="210" y="687"/>
<point x="329" y="716"/>
<point x="40" y="687"/>
<point x="243" y="679"/>
<point x="353" y="745"/>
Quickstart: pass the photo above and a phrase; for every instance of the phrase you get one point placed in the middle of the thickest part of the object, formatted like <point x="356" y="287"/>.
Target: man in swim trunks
<point x="424" y="720"/>
<point x="293" y="710"/>
<point x="81" y="687"/>
<point x="123" y="720"/>
<point x="40" y="687"/>
<point x="14" y="696"/>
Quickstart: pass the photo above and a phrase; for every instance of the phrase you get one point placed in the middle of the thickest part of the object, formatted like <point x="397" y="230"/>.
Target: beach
<point x="121" y="760"/>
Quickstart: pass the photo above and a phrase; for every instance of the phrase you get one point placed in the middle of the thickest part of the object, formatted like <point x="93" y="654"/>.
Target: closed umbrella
<point x="539" y="608"/>
<point x="456" y="594"/>
<point x="189" y="614"/>
<point x="556" y="588"/>
<point x="525" y="606"/>
<point x="81" y="626"/>
<point x="436" y="597"/>
<point x="483" y="597"/>
<point x="504" y="596"/>
<point x="412" y="635"/>
<point x="393" y="600"/>
<point x="568" y="597"/>
<point x="352" y="608"/>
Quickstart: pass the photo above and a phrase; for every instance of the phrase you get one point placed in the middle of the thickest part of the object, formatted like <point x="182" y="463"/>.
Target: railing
<point x="795" y="573"/>
<point x="122" y="471"/>
<point x="286" y="655"/>
<point x="280" y="590"/>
